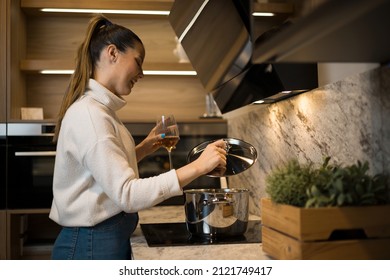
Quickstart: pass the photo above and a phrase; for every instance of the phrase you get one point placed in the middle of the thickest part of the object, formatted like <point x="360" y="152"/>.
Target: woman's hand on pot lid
<point x="213" y="156"/>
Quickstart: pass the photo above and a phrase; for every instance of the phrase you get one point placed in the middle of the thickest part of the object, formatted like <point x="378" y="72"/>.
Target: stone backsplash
<point x="348" y="120"/>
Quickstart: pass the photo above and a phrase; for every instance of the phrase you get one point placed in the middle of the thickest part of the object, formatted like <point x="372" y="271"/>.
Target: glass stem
<point x="170" y="160"/>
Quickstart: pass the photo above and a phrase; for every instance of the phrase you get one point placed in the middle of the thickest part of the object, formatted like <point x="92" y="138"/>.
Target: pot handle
<point x="215" y="200"/>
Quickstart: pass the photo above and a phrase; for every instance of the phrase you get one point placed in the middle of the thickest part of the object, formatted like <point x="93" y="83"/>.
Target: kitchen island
<point x="169" y="214"/>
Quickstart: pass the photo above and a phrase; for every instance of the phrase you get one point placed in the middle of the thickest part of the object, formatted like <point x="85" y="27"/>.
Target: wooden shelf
<point x="154" y="5"/>
<point x="37" y="65"/>
<point x="157" y="5"/>
<point x="48" y="41"/>
<point x="29" y="211"/>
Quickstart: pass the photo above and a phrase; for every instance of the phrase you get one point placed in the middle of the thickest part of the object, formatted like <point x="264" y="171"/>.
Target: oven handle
<point x="37" y="153"/>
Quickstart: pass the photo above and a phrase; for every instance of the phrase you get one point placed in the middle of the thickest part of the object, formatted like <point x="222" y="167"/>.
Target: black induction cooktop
<point x="176" y="234"/>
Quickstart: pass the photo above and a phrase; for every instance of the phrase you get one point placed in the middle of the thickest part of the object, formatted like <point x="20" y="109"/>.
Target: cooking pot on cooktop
<point x="220" y="212"/>
<point x="216" y="212"/>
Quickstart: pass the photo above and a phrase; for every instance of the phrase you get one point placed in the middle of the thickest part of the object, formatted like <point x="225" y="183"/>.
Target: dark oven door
<point x="31" y="156"/>
<point x="3" y="170"/>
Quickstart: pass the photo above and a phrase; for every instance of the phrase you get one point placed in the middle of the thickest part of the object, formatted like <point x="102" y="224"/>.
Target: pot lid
<point x="240" y="156"/>
<point x="215" y="191"/>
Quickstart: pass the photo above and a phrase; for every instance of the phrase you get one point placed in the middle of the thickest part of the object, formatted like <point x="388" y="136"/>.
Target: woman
<point x="96" y="188"/>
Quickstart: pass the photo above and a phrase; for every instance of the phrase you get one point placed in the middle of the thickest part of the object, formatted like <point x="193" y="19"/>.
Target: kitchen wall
<point x="347" y="120"/>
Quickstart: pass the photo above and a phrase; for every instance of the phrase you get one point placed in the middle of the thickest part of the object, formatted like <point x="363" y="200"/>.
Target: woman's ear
<point x="112" y="53"/>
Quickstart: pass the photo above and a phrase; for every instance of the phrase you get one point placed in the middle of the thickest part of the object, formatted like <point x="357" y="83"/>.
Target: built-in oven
<point x="3" y="160"/>
<point x="30" y="165"/>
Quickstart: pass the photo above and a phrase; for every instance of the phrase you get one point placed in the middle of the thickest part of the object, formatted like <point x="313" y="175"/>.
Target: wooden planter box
<point x="291" y="232"/>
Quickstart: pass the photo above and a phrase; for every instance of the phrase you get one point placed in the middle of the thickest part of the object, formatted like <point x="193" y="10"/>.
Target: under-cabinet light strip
<point x="57" y="72"/>
<point x="98" y="11"/>
<point x="146" y="72"/>
<point x="260" y="14"/>
<point x="134" y="12"/>
<point x="166" y="72"/>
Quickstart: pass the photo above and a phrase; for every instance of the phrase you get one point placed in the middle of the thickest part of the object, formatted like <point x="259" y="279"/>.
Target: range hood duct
<point x="217" y="38"/>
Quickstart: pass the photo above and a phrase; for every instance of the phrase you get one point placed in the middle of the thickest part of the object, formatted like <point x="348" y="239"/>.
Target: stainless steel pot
<point x="220" y="212"/>
<point x="216" y="212"/>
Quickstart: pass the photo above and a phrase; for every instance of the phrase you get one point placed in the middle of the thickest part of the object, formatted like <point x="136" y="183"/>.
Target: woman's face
<point x="127" y="71"/>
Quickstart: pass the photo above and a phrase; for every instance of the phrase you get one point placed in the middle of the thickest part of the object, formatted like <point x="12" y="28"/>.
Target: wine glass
<point x="167" y="126"/>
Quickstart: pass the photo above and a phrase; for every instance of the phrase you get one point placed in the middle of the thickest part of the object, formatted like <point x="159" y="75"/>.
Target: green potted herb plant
<point x="331" y="211"/>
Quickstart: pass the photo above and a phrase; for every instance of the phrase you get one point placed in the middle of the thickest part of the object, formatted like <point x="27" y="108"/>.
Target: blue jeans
<point x="108" y="240"/>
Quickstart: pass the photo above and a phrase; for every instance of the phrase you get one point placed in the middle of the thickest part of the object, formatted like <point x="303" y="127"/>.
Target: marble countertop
<point x="167" y="214"/>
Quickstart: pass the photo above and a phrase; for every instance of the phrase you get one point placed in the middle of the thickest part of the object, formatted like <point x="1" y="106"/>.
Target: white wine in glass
<point x="167" y="125"/>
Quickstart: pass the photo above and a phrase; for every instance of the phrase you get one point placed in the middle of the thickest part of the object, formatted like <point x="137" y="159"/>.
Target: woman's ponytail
<point x="83" y="71"/>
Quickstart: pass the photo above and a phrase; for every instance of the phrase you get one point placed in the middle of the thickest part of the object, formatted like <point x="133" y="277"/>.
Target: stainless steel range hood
<point x="217" y="38"/>
<point x="335" y="31"/>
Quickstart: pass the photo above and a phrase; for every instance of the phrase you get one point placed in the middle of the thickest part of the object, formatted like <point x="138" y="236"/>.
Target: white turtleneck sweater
<point x="96" y="174"/>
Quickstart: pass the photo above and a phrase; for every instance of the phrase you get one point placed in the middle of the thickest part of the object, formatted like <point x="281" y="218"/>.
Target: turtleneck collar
<point x="104" y="96"/>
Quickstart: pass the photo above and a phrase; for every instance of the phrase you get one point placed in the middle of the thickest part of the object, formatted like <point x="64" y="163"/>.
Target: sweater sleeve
<point x="114" y="176"/>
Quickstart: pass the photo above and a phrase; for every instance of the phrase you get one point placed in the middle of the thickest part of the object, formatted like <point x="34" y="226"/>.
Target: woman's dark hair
<point x="101" y="32"/>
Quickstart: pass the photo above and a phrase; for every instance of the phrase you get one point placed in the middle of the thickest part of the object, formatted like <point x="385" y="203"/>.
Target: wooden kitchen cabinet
<point x="3" y="88"/>
<point x="30" y="234"/>
<point x="48" y="41"/>
<point x="3" y="60"/>
<point x="3" y="235"/>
